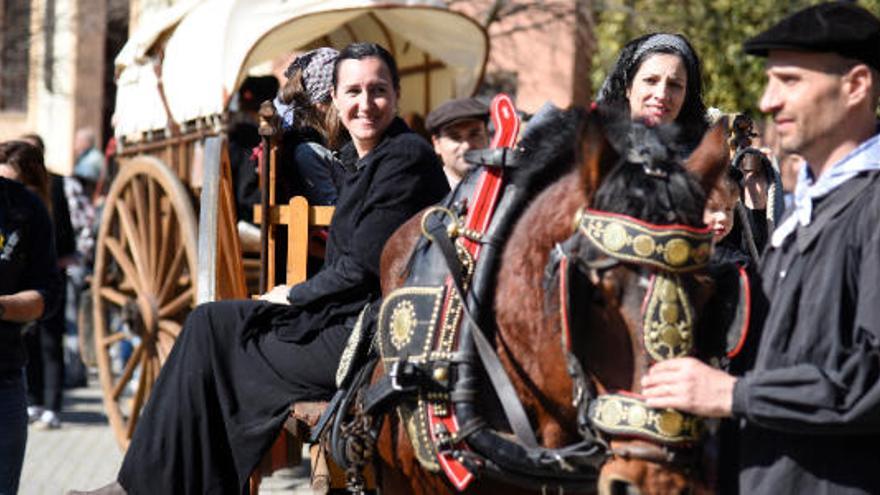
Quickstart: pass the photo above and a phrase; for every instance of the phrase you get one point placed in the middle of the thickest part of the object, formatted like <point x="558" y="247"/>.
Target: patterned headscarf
<point x="317" y="76"/>
<point x="317" y="72"/>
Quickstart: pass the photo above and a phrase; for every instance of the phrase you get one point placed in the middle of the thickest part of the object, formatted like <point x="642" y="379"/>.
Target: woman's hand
<point x="277" y="295"/>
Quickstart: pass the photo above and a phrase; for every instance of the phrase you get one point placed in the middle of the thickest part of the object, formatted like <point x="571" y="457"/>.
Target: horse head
<point x="633" y="295"/>
<point x="642" y="248"/>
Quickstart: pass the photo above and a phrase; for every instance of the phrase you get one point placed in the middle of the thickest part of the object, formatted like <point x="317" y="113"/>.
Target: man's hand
<point x="22" y="307"/>
<point x="756" y="187"/>
<point x="277" y="295"/>
<point x="689" y="385"/>
<point x="756" y="181"/>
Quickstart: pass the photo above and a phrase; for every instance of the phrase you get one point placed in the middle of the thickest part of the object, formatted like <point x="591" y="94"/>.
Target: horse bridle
<point x="668" y="252"/>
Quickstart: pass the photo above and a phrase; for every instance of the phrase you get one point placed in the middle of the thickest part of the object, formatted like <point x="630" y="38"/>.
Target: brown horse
<point x="611" y="346"/>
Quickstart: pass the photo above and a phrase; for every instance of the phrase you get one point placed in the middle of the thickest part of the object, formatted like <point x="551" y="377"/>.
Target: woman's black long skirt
<point x="218" y="404"/>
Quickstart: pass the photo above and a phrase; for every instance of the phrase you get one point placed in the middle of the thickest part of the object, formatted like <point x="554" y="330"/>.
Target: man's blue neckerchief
<point x="864" y="158"/>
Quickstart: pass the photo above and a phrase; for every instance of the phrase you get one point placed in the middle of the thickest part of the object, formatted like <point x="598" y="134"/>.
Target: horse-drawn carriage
<point x="168" y="239"/>
<point x="155" y="262"/>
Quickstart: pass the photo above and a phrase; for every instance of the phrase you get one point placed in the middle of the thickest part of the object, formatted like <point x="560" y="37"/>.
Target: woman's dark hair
<point x="35" y="139"/>
<point x="294" y="93"/>
<point x="692" y="118"/>
<point x="360" y="51"/>
<point x="27" y="160"/>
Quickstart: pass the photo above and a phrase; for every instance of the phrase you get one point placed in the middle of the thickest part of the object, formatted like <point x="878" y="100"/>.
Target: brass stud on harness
<point x="644" y="245"/>
<point x="441" y="374"/>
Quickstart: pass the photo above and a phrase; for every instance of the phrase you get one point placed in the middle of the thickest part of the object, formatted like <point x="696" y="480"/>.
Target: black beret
<point x="837" y="27"/>
<point x="454" y="110"/>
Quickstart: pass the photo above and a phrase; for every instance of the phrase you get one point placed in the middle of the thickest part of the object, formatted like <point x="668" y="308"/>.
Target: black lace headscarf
<point x="691" y="120"/>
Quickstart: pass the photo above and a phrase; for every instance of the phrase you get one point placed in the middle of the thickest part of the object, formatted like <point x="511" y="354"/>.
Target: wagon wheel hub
<point x="148" y="317"/>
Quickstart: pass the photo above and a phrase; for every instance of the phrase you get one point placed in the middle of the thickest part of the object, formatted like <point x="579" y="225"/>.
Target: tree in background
<point x="733" y="81"/>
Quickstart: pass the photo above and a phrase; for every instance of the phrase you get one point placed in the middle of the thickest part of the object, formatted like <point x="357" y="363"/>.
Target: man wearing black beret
<point x="456" y="127"/>
<point x="809" y="405"/>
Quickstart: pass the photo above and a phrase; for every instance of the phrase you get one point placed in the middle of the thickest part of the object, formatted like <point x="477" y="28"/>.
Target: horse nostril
<point x="621" y="487"/>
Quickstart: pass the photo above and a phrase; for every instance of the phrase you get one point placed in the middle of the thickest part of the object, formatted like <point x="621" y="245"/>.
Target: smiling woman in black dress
<point x="224" y="392"/>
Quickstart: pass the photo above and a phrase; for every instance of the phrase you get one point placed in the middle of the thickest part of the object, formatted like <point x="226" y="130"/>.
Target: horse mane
<point x="650" y="183"/>
<point x="548" y="148"/>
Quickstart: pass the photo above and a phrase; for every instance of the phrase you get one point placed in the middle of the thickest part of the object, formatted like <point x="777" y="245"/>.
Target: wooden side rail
<point x="299" y="217"/>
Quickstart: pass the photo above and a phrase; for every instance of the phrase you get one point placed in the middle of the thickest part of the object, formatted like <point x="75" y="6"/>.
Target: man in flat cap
<point x="809" y="405"/>
<point x="457" y="126"/>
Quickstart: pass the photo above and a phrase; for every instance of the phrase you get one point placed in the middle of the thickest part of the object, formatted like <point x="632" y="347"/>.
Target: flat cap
<point x="455" y="110"/>
<point x="836" y="27"/>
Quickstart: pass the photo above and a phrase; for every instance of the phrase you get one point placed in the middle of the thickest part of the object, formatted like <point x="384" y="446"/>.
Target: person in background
<point x="79" y="190"/>
<point x="45" y="369"/>
<point x="89" y="164"/>
<point x="808" y="409"/>
<point x="28" y="290"/>
<point x="244" y="136"/>
<point x="311" y="135"/>
<point x="657" y="80"/>
<point x="455" y="127"/>
<point x="244" y="139"/>
<point x="762" y="204"/>
<point x="720" y="216"/>
<point x="311" y="128"/>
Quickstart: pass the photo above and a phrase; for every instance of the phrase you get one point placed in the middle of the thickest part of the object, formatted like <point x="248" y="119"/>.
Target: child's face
<point x="718" y="214"/>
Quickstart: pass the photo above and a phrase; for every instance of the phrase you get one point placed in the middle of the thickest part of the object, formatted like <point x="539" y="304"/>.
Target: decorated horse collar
<point x="673" y="248"/>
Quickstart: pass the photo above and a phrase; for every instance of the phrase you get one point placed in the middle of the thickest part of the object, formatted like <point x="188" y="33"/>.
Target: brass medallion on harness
<point x="620" y="414"/>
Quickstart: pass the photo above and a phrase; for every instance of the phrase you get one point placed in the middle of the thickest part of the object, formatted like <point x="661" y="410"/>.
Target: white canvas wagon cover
<point x="212" y="45"/>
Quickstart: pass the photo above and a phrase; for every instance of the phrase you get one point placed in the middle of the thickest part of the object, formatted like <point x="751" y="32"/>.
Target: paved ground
<point x="83" y="454"/>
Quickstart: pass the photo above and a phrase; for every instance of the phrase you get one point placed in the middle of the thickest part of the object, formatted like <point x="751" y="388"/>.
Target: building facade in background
<point x="540" y="50"/>
<point x="56" y="66"/>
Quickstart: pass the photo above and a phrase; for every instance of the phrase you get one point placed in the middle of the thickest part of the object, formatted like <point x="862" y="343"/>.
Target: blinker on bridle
<point x="669" y="248"/>
<point x="667" y="314"/>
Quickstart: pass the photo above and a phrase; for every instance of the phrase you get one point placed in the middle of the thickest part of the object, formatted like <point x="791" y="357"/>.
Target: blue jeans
<point x="13" y="431"/>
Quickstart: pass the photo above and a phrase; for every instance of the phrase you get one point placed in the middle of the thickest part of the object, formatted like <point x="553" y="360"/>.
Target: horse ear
<point x="597" y="156"/>
<point x="712" y="157"/>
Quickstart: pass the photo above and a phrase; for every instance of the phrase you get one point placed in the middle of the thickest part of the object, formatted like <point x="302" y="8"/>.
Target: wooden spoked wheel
<point x="144" y="284"/>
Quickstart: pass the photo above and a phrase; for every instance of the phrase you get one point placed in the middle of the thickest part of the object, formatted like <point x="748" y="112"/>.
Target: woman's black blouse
<point x="378" y="193"/>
